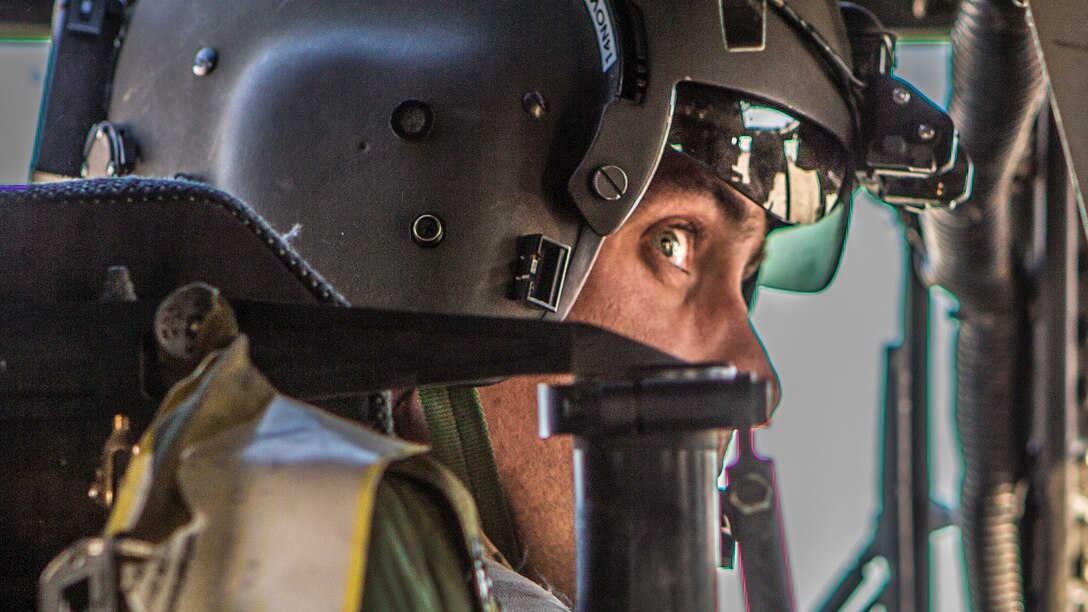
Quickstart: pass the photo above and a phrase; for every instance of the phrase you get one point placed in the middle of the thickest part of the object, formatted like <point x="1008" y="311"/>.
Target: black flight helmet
<point x="468" y="157"/>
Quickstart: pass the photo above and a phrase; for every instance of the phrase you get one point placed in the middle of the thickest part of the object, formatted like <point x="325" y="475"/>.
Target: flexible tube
<point x="997" y="92"/>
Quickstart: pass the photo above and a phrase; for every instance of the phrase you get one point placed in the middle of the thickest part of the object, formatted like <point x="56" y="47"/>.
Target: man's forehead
<point x="680" y="176"/>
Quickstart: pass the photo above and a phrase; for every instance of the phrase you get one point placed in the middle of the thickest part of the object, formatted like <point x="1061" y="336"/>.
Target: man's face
<point x="671" y="277"/>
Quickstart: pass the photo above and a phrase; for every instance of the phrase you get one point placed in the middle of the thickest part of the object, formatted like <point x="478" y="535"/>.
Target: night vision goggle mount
<point x="911" y="154"/>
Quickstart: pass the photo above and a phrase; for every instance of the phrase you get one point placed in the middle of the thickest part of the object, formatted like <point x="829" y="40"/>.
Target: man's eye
<point x="675" y="245"/>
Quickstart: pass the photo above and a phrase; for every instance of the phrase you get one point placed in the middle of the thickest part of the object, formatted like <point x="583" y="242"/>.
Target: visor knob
<point x="901" y="96"/>
<point x="610" y="183"/>
<point x="926" y="132"/>
<point x="205" y="61"/>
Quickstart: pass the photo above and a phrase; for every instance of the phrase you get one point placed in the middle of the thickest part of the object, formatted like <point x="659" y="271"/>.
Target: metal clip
<point x="86" y="575"/>
<point x="108" y="151"/>
<point x="540" y="271"/>
<point x="116" y="453"/>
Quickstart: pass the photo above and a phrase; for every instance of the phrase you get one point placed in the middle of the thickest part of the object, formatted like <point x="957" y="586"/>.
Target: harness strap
<point x="460" y="441"/>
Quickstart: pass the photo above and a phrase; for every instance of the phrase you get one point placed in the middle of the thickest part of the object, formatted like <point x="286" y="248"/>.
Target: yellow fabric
<point x="221" y="402"/>
<point x="223" y="391"/>
<point x="364" y="518"/>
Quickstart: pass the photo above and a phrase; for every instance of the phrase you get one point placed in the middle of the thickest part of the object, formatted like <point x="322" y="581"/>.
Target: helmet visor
<point x="791" y="167"/>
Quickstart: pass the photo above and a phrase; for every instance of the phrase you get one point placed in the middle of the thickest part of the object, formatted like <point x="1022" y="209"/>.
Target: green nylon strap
<point x="460" y="441"/>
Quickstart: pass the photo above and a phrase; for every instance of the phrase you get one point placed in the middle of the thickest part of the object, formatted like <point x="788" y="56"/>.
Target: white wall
<point x="22" y="73"/>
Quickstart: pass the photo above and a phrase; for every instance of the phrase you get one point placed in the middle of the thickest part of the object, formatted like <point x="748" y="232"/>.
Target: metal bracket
<point x="540" y="271"/>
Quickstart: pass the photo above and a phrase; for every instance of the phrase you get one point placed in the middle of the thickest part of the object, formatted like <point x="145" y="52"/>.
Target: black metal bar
<point x="851" y="579"/>
<point x="91" y="350"/>
<point x="646" y="521"/>
<point x="1052" y="549"/>
<point x="752" y="504"/>
<point x="647" y="518"/>
<point x="914" y="466"/>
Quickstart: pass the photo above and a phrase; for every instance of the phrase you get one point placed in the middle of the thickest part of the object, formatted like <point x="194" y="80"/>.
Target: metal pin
<point x="534" y="104"/>
<point x="205" y="61"/>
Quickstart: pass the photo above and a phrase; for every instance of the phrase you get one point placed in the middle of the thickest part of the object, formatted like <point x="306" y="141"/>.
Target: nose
<point x="752" y="357"/>
<point x="737" y="343"/>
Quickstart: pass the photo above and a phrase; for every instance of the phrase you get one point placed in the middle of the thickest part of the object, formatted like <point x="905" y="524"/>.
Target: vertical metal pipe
<point x="647" y="521"/>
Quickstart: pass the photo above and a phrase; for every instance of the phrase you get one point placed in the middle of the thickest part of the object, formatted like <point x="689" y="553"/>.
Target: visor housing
<point x="789" y="166"/>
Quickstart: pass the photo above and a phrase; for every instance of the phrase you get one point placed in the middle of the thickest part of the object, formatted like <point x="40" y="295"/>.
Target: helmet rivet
<point x="610" y="182"/>
<point x="926" y="132"/>
<point x="534" y="104"/>
<point x="205" y="61"/>
<point x="412" y="120"/>
<point x="900" y="95"/>
<point x="428" y="230"/>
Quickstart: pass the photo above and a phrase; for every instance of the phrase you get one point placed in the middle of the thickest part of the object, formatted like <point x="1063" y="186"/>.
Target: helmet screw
<point x="205" y="61"/>
<point x="428" y="230"/>
<point x="534" y="104"/>
<point x="926" y="132"/>
<point x="610" y="182"/>
<point x="412" y="120"/>
<point x="901" y="96"/>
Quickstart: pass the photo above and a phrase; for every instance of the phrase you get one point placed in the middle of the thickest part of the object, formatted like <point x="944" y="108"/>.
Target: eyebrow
<point x="735" y="207"/>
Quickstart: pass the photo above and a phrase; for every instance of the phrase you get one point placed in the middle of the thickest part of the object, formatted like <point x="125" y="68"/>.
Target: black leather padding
<point x="62" y="377"/>
<point x="57" y="241"/>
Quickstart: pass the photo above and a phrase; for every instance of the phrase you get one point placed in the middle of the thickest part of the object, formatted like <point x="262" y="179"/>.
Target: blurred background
<point x="829" y="351"/>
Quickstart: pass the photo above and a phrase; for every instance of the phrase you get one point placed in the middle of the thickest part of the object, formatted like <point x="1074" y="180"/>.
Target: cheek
<point x="701" y="322"/>
<point x="622" y="295"/>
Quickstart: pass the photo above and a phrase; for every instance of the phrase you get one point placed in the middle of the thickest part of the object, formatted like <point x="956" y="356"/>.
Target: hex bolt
<point x="205" y="61"/>
<point x="926" y="132"/>
<point x="412" y="120"/>
<point x="534" y="104"/>
<point x="901" y="96"/>
<point x="752" y="494"/>
<point x="428" y="230"/>
<point x="610" y="182"/>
